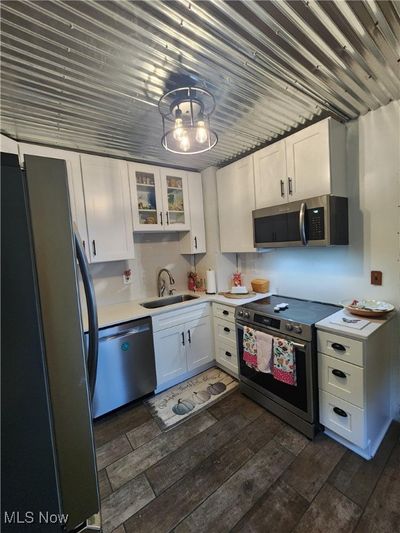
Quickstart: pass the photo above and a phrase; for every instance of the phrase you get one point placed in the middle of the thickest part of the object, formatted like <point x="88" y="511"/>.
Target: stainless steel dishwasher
<point x="126" y="366"/>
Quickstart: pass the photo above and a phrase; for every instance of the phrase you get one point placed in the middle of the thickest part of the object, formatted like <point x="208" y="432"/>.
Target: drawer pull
<point x="339" y="347"/>
<point x="228" y="354"/>
<point x="225" y="312"/>
<point x="340" y="412"/>
<point x="338" y="373"/>
<point x="227" y="330"/>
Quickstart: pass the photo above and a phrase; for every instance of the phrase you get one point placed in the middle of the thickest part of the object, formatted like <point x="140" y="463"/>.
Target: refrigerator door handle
<point x="93" y="335"/>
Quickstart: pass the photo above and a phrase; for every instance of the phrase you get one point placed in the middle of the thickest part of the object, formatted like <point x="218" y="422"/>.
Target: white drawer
<point x="226" y="355"/>
<point x="224" y="331"/>
<point x="226" y="312"/>
<point x="170" y="319"/>
<point x="341" y="379"/>
<point x="343" y="348"/>
<point x="342" y="417"/>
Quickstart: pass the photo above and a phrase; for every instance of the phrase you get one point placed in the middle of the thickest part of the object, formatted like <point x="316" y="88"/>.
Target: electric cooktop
<point x="294" y="309"/>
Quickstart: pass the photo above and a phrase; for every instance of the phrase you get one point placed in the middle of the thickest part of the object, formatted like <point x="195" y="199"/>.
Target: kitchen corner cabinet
<point x="308" y="163"/>
<point x="108" y="208"/>
<point x="183" y="344"/>
<point x="160" y="198"/>
<point x="73" y="165"/>
<point x="194" y="241"/>
<point x="236" y="201"/>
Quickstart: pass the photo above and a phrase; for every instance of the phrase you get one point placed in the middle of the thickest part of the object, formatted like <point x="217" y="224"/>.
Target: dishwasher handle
<point x="126" y="333"/>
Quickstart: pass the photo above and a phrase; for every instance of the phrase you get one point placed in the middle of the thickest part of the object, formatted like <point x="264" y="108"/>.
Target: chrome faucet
<point x="161" y="283"/>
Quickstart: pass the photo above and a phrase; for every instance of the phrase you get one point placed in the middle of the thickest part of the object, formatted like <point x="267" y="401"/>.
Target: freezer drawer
<point x="126" y="365"/>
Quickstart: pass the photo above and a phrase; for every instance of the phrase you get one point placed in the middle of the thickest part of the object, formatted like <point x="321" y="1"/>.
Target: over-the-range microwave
<point x="319" y="221"/>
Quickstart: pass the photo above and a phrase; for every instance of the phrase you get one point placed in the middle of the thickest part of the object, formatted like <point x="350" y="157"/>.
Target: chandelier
<point x="186" y="120"/>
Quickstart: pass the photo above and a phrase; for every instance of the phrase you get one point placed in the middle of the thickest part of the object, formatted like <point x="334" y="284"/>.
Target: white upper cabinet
<point x="316" y="161"/>
<point x="74" y="182"/>
<point x="308" y="163"/>
<point x="160" y="198"/>
<point x="108" y="208"/>
<point x="194" y="241"/>
<point x="146" y="195"/>
<point x="270" y="175"/>
<point x="7" y="145"/>
<point x="236" y="201"/>
<point x="174" y="186"/>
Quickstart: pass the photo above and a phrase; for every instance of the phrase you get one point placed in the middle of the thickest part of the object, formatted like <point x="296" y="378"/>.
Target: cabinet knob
<point x="183" y="338"/>
<point x="227" y="329"/>
<point x="94" y="247"/>
<point x="282" y="188"/>
<point x="195" y="242"/>
<point x="225" y="312"/>
<point x="340" y="412"/>
<point x="339" y="347"/>
<point x="167" y="214"/>
<point x="189" y="337"/>
<point x="290" y="185"/>
<point x="228" y="354"/>
<point x="338" y="373"/>
<point x="161" y="218"/>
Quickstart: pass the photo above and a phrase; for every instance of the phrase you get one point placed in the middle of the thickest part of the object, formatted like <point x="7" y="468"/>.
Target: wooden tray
<point x="366" y="312"/>
<point x="237" y="296"/>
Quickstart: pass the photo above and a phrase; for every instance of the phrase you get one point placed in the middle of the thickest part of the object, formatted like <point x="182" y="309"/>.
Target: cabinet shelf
<point x="147" y="210"/>
<point x="145" y="185"/>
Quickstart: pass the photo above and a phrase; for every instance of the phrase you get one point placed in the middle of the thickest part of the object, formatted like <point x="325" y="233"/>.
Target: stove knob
<point x="240" y="313"/>
<point x="297" y="329"/>
<point x="289" y="327"/>
<point x="246" y="314"/>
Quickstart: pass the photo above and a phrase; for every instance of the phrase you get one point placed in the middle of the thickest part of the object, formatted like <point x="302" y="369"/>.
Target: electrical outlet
<point x="127" y="277"/>
<point x="376" y="277"/>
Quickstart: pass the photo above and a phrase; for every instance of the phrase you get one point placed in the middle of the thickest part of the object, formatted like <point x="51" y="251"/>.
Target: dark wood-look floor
<point x="236" y="467"/>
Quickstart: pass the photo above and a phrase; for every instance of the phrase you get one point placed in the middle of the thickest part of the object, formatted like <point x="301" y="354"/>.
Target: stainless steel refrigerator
<point x="49" y="480"/>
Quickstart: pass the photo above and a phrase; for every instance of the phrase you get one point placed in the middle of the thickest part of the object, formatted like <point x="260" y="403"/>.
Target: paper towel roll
<point x="210" y="282"/>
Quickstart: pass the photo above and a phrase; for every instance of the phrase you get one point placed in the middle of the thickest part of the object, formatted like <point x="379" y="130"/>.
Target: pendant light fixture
<point x="186" y="120"/>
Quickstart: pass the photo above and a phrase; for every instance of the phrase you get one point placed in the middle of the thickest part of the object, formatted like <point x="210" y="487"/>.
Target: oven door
<point x="299" y="399"/>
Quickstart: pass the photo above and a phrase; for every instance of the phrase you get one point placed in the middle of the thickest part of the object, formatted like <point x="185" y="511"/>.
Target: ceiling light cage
<point x="185" y="116"/>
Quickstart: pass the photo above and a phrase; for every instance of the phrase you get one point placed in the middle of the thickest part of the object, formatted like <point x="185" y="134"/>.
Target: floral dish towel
<point x="284" y="361"/>
<point x="249" y="347"/>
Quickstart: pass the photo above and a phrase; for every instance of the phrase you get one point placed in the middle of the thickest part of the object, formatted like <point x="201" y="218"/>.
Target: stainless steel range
<point x="294" y="320"/>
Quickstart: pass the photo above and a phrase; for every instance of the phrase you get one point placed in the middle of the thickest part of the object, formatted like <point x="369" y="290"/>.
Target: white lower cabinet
<point x="170" y="354"/>
<point x="182" y="344"/>
<point x="225" y="338"/>
<point x="354" y="384"/>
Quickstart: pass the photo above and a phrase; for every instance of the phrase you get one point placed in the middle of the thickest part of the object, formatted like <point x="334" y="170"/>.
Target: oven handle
<point x="295" y="344"/>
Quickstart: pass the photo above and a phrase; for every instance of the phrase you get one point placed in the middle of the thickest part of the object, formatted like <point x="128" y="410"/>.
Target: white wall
<point x="153" y="252"/>
<point x="342" y="273"/>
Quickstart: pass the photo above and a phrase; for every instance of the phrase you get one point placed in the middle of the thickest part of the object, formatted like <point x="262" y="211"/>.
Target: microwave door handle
<point x="302" y="223"/>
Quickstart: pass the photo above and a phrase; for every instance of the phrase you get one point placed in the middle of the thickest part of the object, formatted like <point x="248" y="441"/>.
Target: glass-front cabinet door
<point x="146" y="196"/>
<point x="175" y="199"/>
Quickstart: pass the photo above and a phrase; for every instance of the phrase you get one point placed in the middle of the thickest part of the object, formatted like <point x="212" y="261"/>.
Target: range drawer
<point x="342" y="417"/>
<point x="341" y="379"/>
<point x="226" y="312"/>
<point x="225" y="331"/>
<point x="343" y="348"/>
<point x="226" y="355"/>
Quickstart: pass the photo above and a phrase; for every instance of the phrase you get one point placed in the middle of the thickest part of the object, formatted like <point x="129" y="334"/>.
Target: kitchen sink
<point x="169" y="301"/>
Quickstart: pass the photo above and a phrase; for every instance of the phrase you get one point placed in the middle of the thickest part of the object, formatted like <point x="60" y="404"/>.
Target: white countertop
<point x="110" y="315"/>
<point x="341" y="329"/>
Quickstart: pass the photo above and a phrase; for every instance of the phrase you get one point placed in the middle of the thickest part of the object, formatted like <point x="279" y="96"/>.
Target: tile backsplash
<point x="153" y="251"/>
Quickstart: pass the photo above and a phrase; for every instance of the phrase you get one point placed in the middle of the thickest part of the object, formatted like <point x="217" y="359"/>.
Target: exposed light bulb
<point x="178" y="130"/>
<point x="185" y="143"/>
<point x="201" y="132"/>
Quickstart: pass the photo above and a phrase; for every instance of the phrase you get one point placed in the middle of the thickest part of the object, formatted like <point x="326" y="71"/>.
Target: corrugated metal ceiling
<point x="88" y="74"/>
